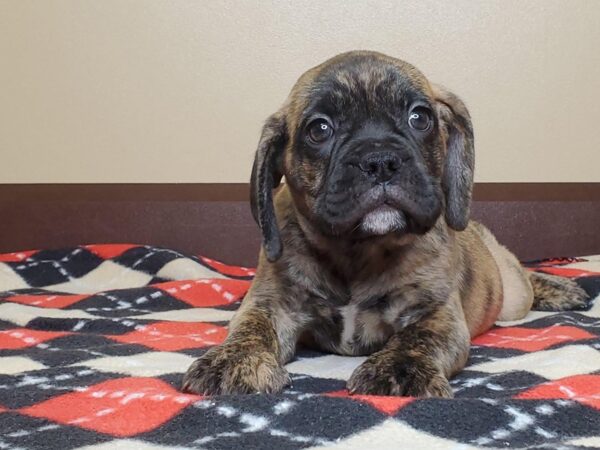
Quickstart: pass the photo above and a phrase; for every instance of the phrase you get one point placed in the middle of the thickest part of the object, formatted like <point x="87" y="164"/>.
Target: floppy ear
<point x="267" y="172"/>
<point x="457" y="178"/>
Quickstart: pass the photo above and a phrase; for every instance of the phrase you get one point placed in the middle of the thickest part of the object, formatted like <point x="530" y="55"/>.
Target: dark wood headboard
<point x="535" y="220"/>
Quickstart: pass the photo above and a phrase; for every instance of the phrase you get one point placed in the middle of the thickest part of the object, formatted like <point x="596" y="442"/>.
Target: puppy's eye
<point x="420" y="118"/>
<point x="319" y="131"/>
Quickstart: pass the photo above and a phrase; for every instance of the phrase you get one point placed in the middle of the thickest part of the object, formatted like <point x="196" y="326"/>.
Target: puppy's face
<point x="365" y="153"/>
<point x="364" y="142"/>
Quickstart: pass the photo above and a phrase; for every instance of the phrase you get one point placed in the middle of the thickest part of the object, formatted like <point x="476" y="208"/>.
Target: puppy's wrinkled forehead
<point x="357" y="81"/>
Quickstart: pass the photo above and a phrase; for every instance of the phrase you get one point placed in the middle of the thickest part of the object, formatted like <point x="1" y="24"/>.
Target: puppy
<point x="367" y="248"/>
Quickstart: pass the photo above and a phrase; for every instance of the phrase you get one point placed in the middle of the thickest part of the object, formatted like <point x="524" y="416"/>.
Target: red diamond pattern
<point x="206" y="292"/>
<point x="122" y="407"/>
<point x="569" y="272"/>
<point x="16" y="256"/>
<point x="173" y="336"/>
<point x="109" y="251"/>
<point x="47" y="301"/>
<point x="582" y="388"/>
<point x="531" y="339"/>
<point x="225" y="269"/>
<point x="383" y="403"/>
<point x="23" y="338"/>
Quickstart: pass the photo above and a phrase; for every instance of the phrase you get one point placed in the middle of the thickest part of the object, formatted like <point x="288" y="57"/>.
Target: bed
<point x="94" y="341"/>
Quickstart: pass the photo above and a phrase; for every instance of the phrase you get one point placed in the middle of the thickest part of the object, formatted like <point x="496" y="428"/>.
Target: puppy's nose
<point x="380" y="166"/>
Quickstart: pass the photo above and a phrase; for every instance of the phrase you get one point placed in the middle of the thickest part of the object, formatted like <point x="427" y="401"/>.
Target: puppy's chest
<point x="362" y="330"/>
<point x="356" y="328"/>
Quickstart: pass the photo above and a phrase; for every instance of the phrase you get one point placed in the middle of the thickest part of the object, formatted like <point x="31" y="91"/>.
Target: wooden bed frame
<point x="535" y="220"/>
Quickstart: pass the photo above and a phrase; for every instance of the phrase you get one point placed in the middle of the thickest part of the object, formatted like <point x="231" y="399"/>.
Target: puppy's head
<point x="368" y="147"/>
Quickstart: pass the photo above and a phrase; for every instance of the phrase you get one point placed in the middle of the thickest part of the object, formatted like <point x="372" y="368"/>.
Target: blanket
<point x="94" y="341"/>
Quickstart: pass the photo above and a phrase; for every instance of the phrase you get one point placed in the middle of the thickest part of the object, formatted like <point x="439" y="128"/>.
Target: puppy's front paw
<point x="413" y="378"/>
<point x="230" y="370"/>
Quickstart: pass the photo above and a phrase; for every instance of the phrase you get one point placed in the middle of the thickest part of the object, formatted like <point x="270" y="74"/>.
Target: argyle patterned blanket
<point x="94" y="341"/>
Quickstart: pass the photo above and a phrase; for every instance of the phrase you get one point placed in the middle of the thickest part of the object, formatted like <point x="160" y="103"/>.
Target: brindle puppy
<point x="368" y="248"/>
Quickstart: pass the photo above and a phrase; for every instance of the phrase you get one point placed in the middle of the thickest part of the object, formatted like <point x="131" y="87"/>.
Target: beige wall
<point x="176" y="91"/>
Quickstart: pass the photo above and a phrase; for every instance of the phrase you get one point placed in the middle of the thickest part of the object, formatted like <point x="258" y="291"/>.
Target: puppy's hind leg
<point x="553" y="293"/>
<point x="525" y="290"/>
<point x="516" y="288"/>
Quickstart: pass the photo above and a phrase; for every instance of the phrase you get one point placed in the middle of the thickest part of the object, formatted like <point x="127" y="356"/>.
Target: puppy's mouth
<point x="380" y="210"/>
<point x="390" y="209"/>
<point x="393" y="210"/>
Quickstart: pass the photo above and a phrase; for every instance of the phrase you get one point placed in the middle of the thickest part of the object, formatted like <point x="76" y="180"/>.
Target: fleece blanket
<point x="94" y="341"/>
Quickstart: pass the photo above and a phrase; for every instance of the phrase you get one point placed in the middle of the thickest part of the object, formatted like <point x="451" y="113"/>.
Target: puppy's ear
<point x="267" y="172"/>
<point x="457" y="179"/>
